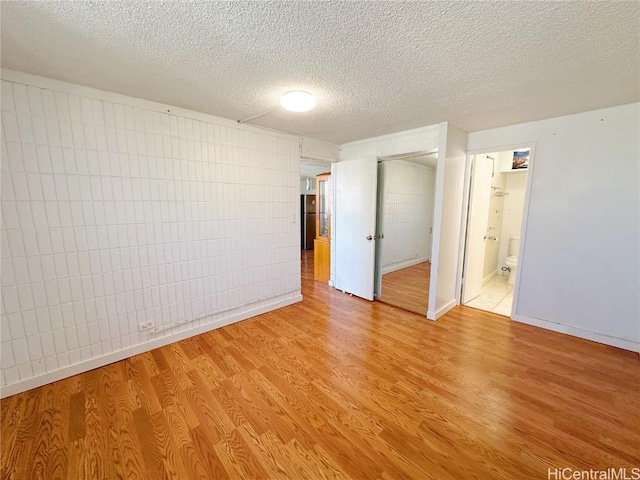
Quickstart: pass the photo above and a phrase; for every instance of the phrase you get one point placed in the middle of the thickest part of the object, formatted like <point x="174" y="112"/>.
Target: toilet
<point x="512" y="259"/>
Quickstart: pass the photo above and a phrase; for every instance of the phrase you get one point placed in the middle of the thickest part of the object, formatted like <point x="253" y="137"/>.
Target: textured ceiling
<point x="376" y="67"/>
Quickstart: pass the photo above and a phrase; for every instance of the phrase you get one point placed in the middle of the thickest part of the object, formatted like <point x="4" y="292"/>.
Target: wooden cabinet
<point x="321" y="261"/>
<point x="322" y="242"/>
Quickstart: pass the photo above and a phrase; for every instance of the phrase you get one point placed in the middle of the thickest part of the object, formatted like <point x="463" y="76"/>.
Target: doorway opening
<point x="309" y="171"/>
<point x="404" y="229"/>
<point x="497" y="195"/>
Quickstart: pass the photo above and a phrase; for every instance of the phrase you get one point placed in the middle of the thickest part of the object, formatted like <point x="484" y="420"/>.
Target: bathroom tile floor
<point x="496" y="296"/>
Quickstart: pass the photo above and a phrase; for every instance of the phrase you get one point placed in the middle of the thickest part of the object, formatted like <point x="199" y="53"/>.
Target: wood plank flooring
<point x="408" y="288"/>
<point x="336" y="388"/>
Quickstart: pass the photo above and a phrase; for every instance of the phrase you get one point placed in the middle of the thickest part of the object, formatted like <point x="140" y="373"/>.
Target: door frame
<point x="380" y="214"/>
<point x="531" y="145"/>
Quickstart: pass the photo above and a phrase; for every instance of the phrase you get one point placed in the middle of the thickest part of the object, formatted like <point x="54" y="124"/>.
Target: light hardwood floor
<point x="337" y="387"/>
<point x="408" y="288"/>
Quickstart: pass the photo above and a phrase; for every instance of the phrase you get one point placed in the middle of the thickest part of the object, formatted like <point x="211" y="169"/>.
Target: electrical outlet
<point x="148" y="325"/>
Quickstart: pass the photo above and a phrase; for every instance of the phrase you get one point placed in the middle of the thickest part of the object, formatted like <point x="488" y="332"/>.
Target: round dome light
<point x="298" y="101"/>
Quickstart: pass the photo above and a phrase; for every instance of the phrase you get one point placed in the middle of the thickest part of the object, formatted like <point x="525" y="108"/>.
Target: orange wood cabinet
<point x="322" y="242"/>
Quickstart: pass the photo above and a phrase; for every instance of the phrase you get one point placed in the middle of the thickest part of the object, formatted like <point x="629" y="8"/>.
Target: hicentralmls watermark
<point x="606" y="474"/>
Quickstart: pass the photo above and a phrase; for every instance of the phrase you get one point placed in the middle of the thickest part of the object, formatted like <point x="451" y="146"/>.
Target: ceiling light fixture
<point x="298" y="101"/>
<point x="293" y="100"/>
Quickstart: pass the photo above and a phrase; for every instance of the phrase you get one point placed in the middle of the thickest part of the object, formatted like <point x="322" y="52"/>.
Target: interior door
<point x="479" y="198"/>
<point x="355" y="225"/>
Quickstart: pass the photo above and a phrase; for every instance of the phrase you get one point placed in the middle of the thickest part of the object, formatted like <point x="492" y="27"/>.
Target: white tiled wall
<point x="114" y="214"/>
<point x="408" y="194"/>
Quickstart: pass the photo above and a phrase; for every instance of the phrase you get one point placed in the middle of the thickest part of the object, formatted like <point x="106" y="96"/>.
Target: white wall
<point x="494" y="224"/>
<point x="408" y="193"/>
<point x="311" y="148"/>
<point x="450" y="187"/>
<point x="408" y="141"/>
<point x="580" y="262"/>
<point x="513" y="208"/>
<point x="303" y="186"/>
<point x="117" y="211"/>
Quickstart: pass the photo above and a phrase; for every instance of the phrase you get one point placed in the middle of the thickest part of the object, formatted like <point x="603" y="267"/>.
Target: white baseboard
<point x="112" y="357"/>
<point x="431" y="315"/>
<point x="489" y="277"/>
<point x="579" y="332"/>
<point x="404" y="264"/>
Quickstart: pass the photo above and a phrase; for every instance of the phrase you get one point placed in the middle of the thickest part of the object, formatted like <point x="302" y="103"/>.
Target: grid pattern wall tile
<point x="114" y="215"/>
<point x="407" y="211"/>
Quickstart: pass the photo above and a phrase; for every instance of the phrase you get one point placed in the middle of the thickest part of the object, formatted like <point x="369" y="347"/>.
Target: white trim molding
<point x="74" y="89"/>
<point x="404" y="264"/>
<point x="431" y="315"/>
<point x="579" y="332"/>
<point x="103" y="360"/>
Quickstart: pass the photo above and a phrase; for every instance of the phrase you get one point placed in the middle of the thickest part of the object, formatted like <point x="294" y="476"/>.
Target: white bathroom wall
<point x="506" y="160"/>
<point x="515" y="189"/>
<point x="408" y="193"/>
<point x="580" y="262"/>
<point x="494" y="224"/>
<point x="118" y="211"/>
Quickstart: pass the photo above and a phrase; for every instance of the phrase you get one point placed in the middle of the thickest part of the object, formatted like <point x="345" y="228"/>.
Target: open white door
<point x="478" y="219"/>
<point x="355" y="225"/>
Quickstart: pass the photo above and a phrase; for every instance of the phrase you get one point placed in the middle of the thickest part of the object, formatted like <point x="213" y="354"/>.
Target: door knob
<point x="369" y="237"/>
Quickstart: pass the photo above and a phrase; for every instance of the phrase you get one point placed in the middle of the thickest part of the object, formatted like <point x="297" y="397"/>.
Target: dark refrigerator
<point x="308" y="224"/>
